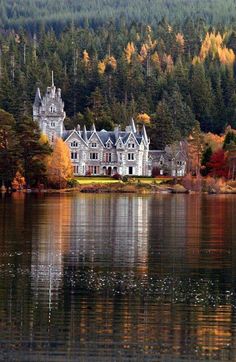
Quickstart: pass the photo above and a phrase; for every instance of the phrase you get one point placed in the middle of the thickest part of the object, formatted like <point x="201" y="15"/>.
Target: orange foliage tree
<point x="143" y="118"/>
<point x="213" y="44"/>
<point x="213" y="140"/>
<point x="18" y="182"/>
<point x="59" y="166"/>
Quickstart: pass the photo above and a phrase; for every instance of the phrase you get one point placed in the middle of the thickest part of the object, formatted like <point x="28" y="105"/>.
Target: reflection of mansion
<point x="102" y="152"/>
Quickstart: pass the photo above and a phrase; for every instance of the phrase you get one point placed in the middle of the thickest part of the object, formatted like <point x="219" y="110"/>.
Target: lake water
<point x="117" y="277"/>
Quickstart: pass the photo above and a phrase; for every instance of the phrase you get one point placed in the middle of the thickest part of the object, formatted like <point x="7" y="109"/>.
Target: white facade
<point x="48" y="111"/>
<point x="93" y="152"/>
<point x="108" y="153"/>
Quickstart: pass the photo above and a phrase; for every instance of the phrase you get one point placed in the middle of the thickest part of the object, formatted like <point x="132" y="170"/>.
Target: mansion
<point x="93" y="152"/>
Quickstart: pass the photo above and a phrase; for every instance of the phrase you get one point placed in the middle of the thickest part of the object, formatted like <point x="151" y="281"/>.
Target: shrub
<point x="125" y="178"/>
<point x="117" y="176"/>
<point x="72" y="183"/>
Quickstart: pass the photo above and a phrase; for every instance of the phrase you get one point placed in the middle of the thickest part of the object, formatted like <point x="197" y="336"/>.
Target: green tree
<point x="206" y="156"/>
<point x="32" y="151"/>
<point x="201" y="97"/>
<point x="9" y="148"/>
<point x="164" y="132"/>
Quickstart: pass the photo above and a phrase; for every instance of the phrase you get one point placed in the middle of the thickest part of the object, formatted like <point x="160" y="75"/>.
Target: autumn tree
<point x="218" y="164"/>
<point x="59" y="166"/>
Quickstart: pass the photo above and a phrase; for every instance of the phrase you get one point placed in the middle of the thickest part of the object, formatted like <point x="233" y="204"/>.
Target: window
<point x="96" y="170"/>
<point x="94" y="145"/>
<point x="53" y="124"/>
<point x="108" y="144"/>
<point x="119" y="145"/>
<point x="161" y="162"/>
<point x="130" y="170"/>
<point x="74" y="155"/>
<point x="120" y="156"/>
<point x="130" y="156"/>
<point x="52" y="108"/>
<point x="76" y="170"/>
<point x="131" y="145"/>
<point x="93" y="156"/>
<point x="108" y="157"/>
<point x="74" y="144"/>
<point x="93" y="170"/>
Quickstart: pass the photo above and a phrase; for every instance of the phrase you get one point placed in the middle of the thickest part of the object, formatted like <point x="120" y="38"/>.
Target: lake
<point x="87" y="277"/>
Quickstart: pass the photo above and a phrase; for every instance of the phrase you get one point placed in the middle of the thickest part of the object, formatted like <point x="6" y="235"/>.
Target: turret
<point x="48" y="111"/>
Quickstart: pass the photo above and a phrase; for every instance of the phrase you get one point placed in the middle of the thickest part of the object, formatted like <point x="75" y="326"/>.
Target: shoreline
<point x="128" y="188"/>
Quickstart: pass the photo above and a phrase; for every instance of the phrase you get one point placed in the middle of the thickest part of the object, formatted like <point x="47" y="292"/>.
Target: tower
<point x="49" y="112"/>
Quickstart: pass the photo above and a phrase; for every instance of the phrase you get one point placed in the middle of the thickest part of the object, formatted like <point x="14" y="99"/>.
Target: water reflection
<point x="117" y="277"/>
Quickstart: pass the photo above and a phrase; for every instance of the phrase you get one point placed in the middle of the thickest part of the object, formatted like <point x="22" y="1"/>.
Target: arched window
<point x="52" y="108"/>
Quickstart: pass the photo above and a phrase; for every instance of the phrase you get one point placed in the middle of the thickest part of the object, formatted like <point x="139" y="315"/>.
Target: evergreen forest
<point x="93" y="13"/>
<point x="170" y="74"/>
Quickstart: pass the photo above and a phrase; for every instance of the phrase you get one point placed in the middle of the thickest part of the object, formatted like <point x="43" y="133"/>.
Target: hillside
<point x="57" y="13"/>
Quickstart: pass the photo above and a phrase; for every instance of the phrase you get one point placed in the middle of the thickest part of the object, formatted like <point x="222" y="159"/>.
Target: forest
<point x="29" y="14"/>
<point x="164" y="76"/>
<point x="175" y="76"/>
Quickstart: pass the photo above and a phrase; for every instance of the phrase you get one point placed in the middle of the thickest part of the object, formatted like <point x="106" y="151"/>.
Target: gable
<point x="96" y="139"/>
<point x="75" y="137"/>
<point x="131" y="140"/>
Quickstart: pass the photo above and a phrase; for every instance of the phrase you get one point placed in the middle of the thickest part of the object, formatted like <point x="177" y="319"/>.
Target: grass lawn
<point x="96" y="180"/>
<point x="109" y="180"/>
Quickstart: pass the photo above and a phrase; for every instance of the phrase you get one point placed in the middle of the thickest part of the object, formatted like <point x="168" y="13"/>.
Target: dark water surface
<point x="117" y="278"/>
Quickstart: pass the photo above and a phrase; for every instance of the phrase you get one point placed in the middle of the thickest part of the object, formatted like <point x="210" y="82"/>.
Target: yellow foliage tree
<point x="143" y="118"/>
<point x="101" y="67"/>
<point x="213" y="140"/>
<point x="19" y="182"/>
<point x="129" y="51"/>
<point x="167" y="59"/>
<point x="43" y="139"/>
<point x="86" y="58"/>
<point x="213" y="44"/>
<point x="59" y="166"/>
<point x="111" y="61"/>
<point x="143" y="53"/>
<point x="180" y="41"/>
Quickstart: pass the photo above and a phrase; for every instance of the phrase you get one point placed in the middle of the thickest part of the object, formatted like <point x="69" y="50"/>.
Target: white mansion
<point x="93" y="152"/>
<point x="102" y="152"/>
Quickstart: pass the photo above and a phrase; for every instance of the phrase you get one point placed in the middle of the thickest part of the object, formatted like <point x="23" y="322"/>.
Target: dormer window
<point x="74" y="144"/>
<point x="94" y="145"/>
<point x="108" y="144"/>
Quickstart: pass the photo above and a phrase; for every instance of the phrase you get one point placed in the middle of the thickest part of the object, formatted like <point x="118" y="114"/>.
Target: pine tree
<point x="32" y="151"/>
<point x="201" y="96"/>
<point x="9" y="148"/>
<point x="182" y="116"/>
<point x="164" y="131"/>
<point x="206" y="156"/>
